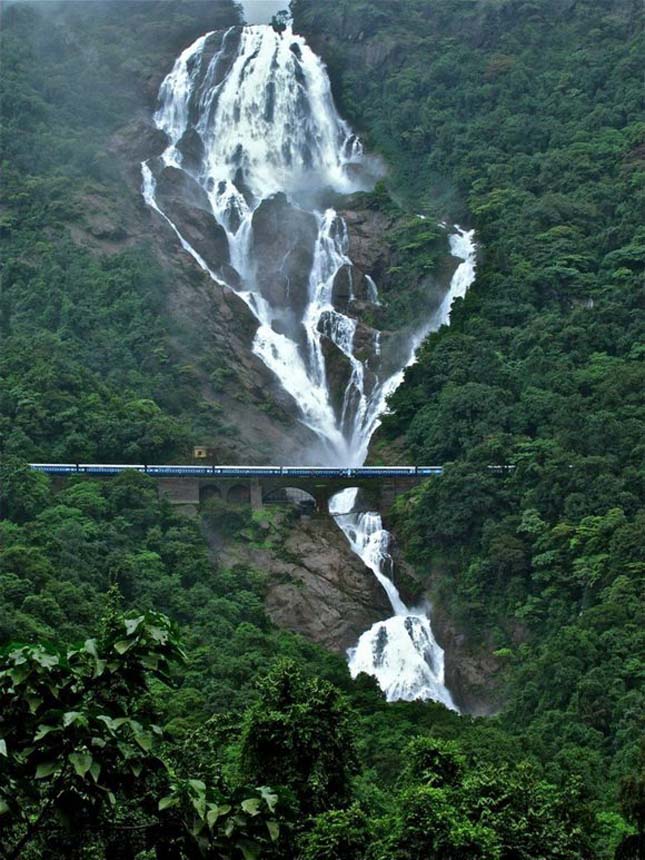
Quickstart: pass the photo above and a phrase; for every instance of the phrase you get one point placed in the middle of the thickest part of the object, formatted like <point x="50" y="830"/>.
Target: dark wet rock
<point x="368" y="246"/>
<point x="213" y="46"/>
<point x="177" y="186"/>
<point x="342" y="288"/>
<point x="280" y="327"/>
<point x="138" y="141"/>
<point x="282" y="247"/>
<point x="242" y="186"/>
<point x="230" y="276"/>
<point x="220" y="50"/>
<point x="364" y="342"/>
<point x="362" y="292"/>
<point x="339" y="371"/>
<point x="191" y="148"/>
<point x="185" y="202"/>
<point x="203" y="233"/>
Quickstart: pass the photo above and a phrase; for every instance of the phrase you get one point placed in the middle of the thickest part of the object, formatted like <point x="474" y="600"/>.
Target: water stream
<point x="255" y="144"/>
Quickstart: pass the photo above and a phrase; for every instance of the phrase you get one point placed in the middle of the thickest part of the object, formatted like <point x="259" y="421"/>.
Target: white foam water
<point x="401" y="651"/>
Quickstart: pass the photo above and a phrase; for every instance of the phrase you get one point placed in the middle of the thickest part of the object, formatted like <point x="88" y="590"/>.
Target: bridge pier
<point x="181" y="492"/>
<point x="256" y="495"/>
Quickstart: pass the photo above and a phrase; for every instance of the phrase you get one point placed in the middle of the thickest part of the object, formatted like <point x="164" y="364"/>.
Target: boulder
<point x="338" y="369"/>
<point x="191" y="148"/>
<point x="186" y="203"/>
<point x="176" y="186"/>
<point x="282" y="250"/>
<point x="342" y="288"/>
<point x="368" y="241"/>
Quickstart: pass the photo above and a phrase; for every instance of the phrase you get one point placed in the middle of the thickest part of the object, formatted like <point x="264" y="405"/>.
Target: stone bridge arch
<point x="292" y="495"/>
<point x="239" y="494"/>
<point x="207" y="492"/>
<point x="193" y="491"/>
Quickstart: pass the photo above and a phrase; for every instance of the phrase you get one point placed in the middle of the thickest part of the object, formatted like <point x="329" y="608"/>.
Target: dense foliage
<point x="87" y="771"/>
<point x="87" y="368"/>
<point x="348" y="776"/>
<point x="528" y="120"/>
<point x="83" y="770"/>
<point x="522" y="118"/>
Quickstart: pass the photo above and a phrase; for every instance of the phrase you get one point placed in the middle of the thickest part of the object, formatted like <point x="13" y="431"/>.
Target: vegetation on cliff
<point x="528" y="121"/>
<point x="88" y="369"/>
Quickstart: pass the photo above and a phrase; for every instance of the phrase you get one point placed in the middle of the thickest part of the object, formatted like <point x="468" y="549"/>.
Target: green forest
<point x="148" y="706"/>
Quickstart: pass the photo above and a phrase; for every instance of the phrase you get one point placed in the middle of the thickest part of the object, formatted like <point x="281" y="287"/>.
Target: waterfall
<point x="401" y="652"/>
<point x="256" y="151"/>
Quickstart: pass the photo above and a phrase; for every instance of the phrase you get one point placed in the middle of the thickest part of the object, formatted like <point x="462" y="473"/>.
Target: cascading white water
<point x="249" y="115"/>
<point x="401" y="652"/>
<point x="267" y="124"/>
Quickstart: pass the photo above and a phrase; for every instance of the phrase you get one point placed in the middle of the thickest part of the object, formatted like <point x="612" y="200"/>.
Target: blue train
<point x="240" y="471"/>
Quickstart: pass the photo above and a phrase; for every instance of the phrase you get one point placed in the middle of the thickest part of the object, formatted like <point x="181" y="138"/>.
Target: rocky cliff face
<point x="211" y="328"/>
<point x="472" y="670"/>
<point x="316" y="585"/>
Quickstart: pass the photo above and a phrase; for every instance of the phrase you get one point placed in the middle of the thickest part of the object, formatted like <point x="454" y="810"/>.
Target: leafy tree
<point x="299" y="734"/>
<point x="80" y="753"/>
<point x="74" y="724"/>
<point x="341" y="834"/>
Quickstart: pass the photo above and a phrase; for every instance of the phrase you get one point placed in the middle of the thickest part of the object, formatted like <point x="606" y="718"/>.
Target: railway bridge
<point x="189" y="486"/>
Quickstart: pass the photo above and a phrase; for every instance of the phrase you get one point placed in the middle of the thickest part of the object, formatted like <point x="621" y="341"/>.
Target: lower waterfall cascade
<point x="255" y="145"/>
<point x="400" y="652"/>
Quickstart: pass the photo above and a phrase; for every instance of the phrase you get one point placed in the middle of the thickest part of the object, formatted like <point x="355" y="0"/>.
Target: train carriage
<point x="191" y="470"/>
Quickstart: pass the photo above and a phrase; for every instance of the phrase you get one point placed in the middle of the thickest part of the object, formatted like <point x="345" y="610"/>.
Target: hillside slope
<point x="146" y="354"/>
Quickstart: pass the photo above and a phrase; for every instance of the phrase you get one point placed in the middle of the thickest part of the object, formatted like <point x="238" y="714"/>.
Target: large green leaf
<point x="251" y="805"/>
<point x="132" y="624"/>
<point x="81" y="762"/>
<point x="144" y="740"/>
<point x="44" y="730"/>
<point x="34" y="703"/>
<point x="269" y="796"/>
<point x="90" y="647"/>
<point x="45" y="768"/>
<point x="122" y="646"/>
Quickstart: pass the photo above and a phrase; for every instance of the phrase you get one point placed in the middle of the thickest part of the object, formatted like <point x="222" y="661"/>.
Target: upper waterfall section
<point x="250" y="113"/>
<point x="256" y="156"/>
